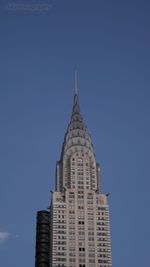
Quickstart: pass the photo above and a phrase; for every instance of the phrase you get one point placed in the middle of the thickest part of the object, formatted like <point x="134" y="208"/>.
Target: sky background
<point x="108" y="42"/>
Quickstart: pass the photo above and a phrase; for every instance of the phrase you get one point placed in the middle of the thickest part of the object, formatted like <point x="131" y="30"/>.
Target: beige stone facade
<point x="79" y="213"/>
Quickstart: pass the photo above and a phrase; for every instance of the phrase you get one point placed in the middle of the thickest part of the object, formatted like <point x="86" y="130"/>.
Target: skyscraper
<point x="75" y="232"/>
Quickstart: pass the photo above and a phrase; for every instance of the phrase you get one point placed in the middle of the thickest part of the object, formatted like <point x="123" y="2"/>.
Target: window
<point x="80" y="222"/>
<point x="81" y="249"/>
<point x="72" y="259"/>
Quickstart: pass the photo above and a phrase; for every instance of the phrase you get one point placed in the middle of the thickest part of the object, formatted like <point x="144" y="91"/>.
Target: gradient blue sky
<point x="109" y="43"/>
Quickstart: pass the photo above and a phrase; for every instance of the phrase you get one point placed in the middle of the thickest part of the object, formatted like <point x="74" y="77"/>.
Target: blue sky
<point x="108" y="42"/>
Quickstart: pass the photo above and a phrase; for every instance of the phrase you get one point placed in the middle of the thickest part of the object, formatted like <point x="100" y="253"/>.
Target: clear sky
<point x="108" y="42"/>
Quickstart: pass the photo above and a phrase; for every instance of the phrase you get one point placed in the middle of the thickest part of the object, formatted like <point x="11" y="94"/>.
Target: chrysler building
<point x="75" y="231"/>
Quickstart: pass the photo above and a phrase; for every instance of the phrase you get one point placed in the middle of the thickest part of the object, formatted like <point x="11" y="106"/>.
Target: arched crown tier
<point x="77" y="146"/>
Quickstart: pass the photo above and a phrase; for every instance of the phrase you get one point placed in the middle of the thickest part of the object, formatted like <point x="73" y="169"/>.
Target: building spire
<point x="76" y="100"/>
<point x="77" y="137"/>
<point x="75" y="84"/>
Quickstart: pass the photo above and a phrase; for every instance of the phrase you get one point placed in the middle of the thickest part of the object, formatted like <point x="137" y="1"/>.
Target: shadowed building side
<point x="42" y="257"/>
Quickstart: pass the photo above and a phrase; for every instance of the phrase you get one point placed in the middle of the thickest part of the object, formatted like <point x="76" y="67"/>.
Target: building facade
<point x="75" y="232"/>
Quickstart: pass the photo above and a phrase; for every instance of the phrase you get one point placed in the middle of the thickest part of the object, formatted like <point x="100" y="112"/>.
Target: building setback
<point x="76" y="231"/>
